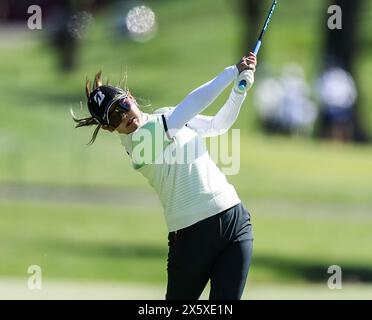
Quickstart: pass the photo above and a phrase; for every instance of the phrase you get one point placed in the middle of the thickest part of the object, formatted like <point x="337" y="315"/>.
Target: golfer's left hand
<point x="246" y="68"/>
<point x="247" y="63"/>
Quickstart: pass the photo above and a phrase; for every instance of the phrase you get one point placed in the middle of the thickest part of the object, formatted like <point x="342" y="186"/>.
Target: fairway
<point x="73" y="290"/>
<point x="118" y="243"/>
<point x="95" y="226"/>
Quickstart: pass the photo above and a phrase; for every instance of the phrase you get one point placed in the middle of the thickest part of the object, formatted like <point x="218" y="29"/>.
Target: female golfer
<point x="210" y="234"/>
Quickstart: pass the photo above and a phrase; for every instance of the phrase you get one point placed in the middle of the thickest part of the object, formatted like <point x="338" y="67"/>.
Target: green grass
<point x="93" y="290"/>
<point x="293" y="242"/>
<point x="83" y="242"/>
<point x="38" y="142"/>
<point x="273" y="168"/>
<point x="311" y="202"/>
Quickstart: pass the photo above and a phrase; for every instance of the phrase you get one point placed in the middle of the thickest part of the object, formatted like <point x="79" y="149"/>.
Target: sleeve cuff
<point x="236" y="71"/>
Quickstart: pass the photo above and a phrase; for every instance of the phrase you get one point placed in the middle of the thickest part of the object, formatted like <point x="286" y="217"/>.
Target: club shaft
<point x="242" y="83"/>
<point x="259" y="41"/>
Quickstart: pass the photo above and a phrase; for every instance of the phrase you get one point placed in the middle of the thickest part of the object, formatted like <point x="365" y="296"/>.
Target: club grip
<point x="243" y="83"/>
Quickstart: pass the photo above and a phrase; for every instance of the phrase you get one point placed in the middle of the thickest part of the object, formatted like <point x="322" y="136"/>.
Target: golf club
<point x="243" y="83"/>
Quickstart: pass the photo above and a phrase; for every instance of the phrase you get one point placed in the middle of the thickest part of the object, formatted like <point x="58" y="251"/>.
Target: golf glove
<point x="244" y="81"/>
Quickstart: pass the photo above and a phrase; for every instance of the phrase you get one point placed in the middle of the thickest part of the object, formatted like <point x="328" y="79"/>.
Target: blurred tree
<point x="252" y="14"/>
<point x="340" y="49"/>
<point x="64" y="42"/>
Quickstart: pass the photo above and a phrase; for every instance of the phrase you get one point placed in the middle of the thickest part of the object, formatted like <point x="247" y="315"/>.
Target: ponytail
<point x="89" y="121"/>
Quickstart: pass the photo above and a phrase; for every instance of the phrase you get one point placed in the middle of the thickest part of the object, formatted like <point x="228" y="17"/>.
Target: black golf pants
<point x="218" y="249"/>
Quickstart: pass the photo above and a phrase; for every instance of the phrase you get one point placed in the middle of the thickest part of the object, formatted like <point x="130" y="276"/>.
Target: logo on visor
<point x="99" y="97"/>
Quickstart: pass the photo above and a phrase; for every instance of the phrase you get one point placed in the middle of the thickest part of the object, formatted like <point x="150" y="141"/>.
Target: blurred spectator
<point x="284" y="103"/>
<point x="337" y="92"/>
<point x="340" y="116"/>
<point x="64" y="21"/>
<point x="63" y="41"/>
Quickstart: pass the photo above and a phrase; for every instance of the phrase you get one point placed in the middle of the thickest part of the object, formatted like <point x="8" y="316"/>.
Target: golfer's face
<point x="131" y="120"/>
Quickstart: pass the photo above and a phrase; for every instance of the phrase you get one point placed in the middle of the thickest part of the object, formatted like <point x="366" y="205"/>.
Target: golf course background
<point x="310" y="201"/>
